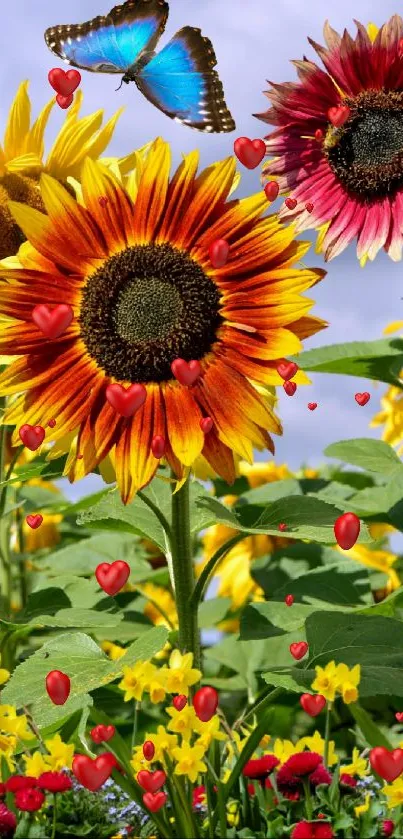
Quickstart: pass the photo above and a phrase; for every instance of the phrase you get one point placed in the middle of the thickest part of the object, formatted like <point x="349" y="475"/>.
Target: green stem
<point x="183" y="573"/>
<point x="157" y="512"/>
<point x="222" y="813"/>
<point x="308" y="799"/>
<point x="210" y="567"/>
<point x="327" y="734"/>
<point x="137" y="706"/>
<point x="53" y="834"/>
<point x="22" y="564"/>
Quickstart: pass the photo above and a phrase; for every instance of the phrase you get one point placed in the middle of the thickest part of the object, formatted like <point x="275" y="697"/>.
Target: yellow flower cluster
<point x="13" y="727"/>
<point x="334" y="679"/>
<point x="145" y="677"/>
<point x="60" y="755"/>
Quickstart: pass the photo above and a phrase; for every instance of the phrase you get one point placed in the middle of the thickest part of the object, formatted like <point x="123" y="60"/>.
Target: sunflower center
<point x="16" y="188"/>
<point x="366" y="154"/>
<point x="145" y="307"/>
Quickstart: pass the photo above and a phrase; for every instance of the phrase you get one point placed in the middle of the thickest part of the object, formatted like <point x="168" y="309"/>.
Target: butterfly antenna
<point x="118" y="88"/>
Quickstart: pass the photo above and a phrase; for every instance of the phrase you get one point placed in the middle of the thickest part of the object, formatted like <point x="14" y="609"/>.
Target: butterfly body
<point x="180" y="79"/>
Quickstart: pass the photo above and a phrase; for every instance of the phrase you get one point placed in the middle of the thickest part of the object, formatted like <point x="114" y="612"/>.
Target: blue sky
<point x="254" y="40"/>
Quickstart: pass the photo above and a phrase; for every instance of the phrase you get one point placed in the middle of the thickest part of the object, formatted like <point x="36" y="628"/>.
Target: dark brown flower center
<point x="145" y="307"/>
<point x="15" y="187"/>
<point x="366" y="154"/>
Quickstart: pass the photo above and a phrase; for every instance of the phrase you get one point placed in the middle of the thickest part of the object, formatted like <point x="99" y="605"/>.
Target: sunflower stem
<point x="4" y="520"/>
<point x="183" y="573"/>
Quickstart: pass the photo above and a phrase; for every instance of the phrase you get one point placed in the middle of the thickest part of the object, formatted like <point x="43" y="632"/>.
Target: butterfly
<point x="180" y="80"/>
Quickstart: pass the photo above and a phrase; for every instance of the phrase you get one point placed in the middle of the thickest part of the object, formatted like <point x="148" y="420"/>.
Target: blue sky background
<point x="254" y="40"/>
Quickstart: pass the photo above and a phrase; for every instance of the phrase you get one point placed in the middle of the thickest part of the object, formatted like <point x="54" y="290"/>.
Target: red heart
<point x="206" y="424"/>
<point x="64" y="101"/>
<point x="282" y="526"/>
<point x="205" y="702"/>
<point x="112" y="576"/>
<point x="64" y="82"/>
<point x="290" y="388"/>
<point x="399" y="716"/>
<point x="312" y="704"/>
<point x="57" y="687"/>
<point x="158" y="446"/>
<point x="52" y="323"/>
<point x="347" y="530"/>
<point x="151" y="781"/>
<point x="291" y="203"/>
<point x="272" y="190"/>
<point x="362" y="398"/>
<point x="179" y="701"/>
<point x="92" y="774"/>
<point x="389" y="765"/>
<point x="126" y="402"/>
<point x="312" y="406"/>
<point x="289" y="599"/>
<point x="32" y="436"/>
<point x="249" y="152"/>
<point x="218" y="253"/>
<point x="154" y="802"/>
<point x="34" y="521"/>
<point x="299" y="649"/>
<point x="319" y="135"/>
<point x="186" y="373"/>
<point x="51" y="423"/>
<point x="287" y="369"/>
<point x="148" y="750"/>
<point x="309" y="207"/>
<point x="338" y="115"/>
<point x="103" y="201"/>
<point x="102" y="733"/>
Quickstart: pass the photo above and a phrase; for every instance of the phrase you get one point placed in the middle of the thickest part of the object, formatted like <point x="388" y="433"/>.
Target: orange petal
<point x="135" y="463"/>
<point x="115" y="219"/>
<point x="179" y="195"/>
<point x="183" y="422"/>
<point x="220" y="457"/>
<point x="72" y="222"/>
<point x="211" y="189"/>
<point x="152" y="192"/>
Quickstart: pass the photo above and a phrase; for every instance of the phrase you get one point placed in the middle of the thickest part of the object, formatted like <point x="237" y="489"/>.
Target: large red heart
<point x="389" y="765"/>
<point x="126" y="402"/>
<point x="249" y="152"/>
<point x="347" y="530"/>
<point x="52" y="322"/>
<point x="92" y="774"/>
<point x="362" y="398"/>
<point x="186" y="373"/>
<point x="218" y="253"/>
<point x="57" y="687"/>
<point x="112" y="576"/>
<point x="205" y="702"/>
<point x="32" y="436"/>
<point x="34" y="520"/>
<point x="154" y="802"/>
<point x="299" y="649"/>
<point x="287" y="369"/>
<point x="64" y="82"/>
<point x="151" y="781"/>
<point x="338" y="115"/>
<point x="312" y="704"/>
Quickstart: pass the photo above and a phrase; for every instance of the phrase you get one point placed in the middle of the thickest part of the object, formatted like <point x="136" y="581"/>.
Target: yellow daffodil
<point x="363" y="808"/>
<point x="189" y="761"/>
<point x="179" y="676"/>
<point x="348" y="681"/>
<point x="60" y="754"/>
<point x="13" y="723"/>
<point x="7" y="747"/>
<point x="394" y="793"/>
<point x="163" y="742"/>
<point x="358" y="765"/>
<point x="233" y="813"/>
<point x="160" y="608"/>
<point x="326" y="681"/>
<point x="35" y="764"/>
<point x="143" y="676"/>
<point x="113" y="651"/>
<point x="235" y="744"/>
<point x="183" y="722"/>
<point x="316" y="743"/>
<point x="209" y="731"/>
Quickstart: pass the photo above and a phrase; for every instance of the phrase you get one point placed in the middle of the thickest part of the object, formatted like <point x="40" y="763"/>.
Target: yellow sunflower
<point x="391" y="413"/>
<point x="22" y="156"/>
<point x="134" y="266"/>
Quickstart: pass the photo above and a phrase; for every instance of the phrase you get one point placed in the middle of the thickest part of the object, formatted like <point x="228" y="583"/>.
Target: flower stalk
<point x="183" y="573"/>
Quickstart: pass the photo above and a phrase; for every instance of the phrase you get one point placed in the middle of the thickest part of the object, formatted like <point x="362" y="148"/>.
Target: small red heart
<point x="64" y="82"/>
<point x="34" y="521"/>
<point x="148" y="750"/>
<point x="126" y="401"/>
<point x="151" y="781"/>
<point x="338" y="115"/>
<point x="289" y="599"/>
<point x="249" y="152"/>
<point x="51" y="423"/>
<point x="92" y="774"/>
<point x="102" y="201"/>
<point x="205" y="702"/>
<point x="206" y="424"/>
<point x="319" y="135"/>
<point x="312" y="406"/>
<point x="112" y="576"/>
<point x="52" y="322"/>
<point x="312" y="704"/>
<point x="32" y="436"/>
<point x="347" y="530"/>
<point x="287" y="369"/>
<point x="218" y="253"/>
<point x="158" y="446"/>
<point x="399" y="716"/>
<point x="309" y="207"/>
<point x="179" y="701"/>
<point x="64" y="102"/>
<point x="362" y="398"/>
<point x="290" y="388"/>
<point x="186" y="373"/>
<point x="102" y="733"/>
<point x="389" y="765"/>
<point x="299" y="649"/>
<point x="79" y="456"/>
<point x="272" y="190"/>
<point x="282" y="526"/>
<point x="154" y="802"/>
<point x="291" y="203"/>
<point x="57" y="687"/>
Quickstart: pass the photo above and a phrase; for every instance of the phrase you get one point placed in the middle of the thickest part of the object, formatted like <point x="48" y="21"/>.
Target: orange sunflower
<point x="134" y="266"/>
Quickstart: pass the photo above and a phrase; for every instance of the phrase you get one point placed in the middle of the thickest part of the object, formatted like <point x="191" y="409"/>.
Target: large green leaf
<point x="379" y="360"/>
<point x="342" y="584"/>
<point x="374" y="455"/>
<point x="247" y="658"/>
<point x="86" y="554"/>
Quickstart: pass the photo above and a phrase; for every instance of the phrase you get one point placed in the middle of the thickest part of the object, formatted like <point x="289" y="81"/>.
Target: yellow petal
<point x="18" y="123"/>
<point x="4" y="676"/>
<point x="71" y="144"/>
<point x="95" y="147"/>
<point x="372" y="30"/>
<point x="393" y="327"/>
<point x="2" y="162"/>
<point x="35" y="139"/>
<point x="24" y="162"/>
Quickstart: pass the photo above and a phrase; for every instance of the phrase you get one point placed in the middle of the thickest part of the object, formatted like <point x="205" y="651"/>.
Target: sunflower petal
<point x="18" y="123"/>
<point x="152" y="192"/>
<point x="35" y="139"/>
<point x="183" y="423"/>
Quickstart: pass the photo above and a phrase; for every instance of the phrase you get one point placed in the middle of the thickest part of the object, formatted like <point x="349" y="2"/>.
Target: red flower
<point x="305" y="764"/>
<point x="199" y="795"/>
<point x="320" y="776"/>
<point x="388" y="827"/>
<point x="19" y="782"/>
<point x="8" y="822"/>
<point x="348" y="780"/>
<point x="312" y="830"/>
<point x="302" y="764"/>
<point x="54" y="782"/>
<point x="2" y="790"/>
<point x="29" y="800"/>
<point x="260" y="768"/>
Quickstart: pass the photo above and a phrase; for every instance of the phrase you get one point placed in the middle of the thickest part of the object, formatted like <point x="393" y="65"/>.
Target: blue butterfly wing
<point x="181" y="81"/>
<point x="113" y="43"/>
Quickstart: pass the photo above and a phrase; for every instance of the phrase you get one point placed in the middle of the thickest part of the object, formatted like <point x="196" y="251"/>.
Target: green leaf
<point x="342" y="584"/>
<point x="213" y="611"/>
<point x="374" y="455"/>
<point x="38" y="469"/>
<point x="282" y="680"/>
<point x="264" y="620"/>
<point x="272" y="491"/>
<point x="370" y="730"/>
<point x="79" y="619"/>
<point x="378" y="360"/>
<point x="83" y="558"/>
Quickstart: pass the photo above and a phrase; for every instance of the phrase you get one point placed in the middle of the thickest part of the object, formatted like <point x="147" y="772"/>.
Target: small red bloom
<point x="260" y="768"/>
<point x="305" y="764"/>
<point x="19" y="782"/>
<point x="320" y="776"/>
<point x="198" y="796"/>
<point x="312" y="830"/>
<point x="302" y="764"/>
<point x="348" y="780"/>
<point x="8" y="822"/>
<point x="54" y="782"/>
<point x="2" y="790"/>
<point x="388" y="827"/>
<point x="29" y="800"/>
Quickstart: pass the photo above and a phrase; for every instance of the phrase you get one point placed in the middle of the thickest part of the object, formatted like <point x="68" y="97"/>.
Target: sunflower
<point x="338" y="142"/>
<point x="391" y="413"/>
<point x="22" y="156"/>
<point x="135" y="269"/>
